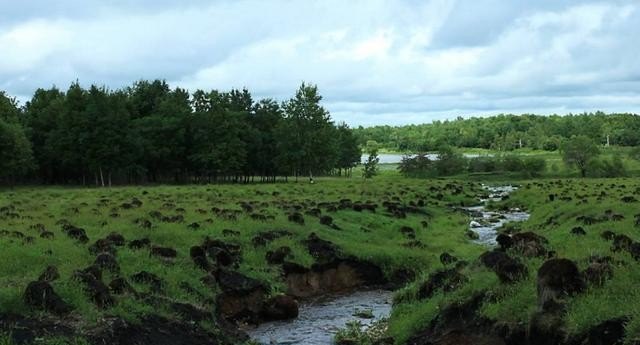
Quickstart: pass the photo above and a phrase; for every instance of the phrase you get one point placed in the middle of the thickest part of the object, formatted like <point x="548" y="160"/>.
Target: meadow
<point x="33" y="237"/>
<point x="401" y="225"/>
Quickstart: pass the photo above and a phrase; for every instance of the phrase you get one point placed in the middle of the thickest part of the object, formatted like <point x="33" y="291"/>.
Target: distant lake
<point x="395" y="158"/>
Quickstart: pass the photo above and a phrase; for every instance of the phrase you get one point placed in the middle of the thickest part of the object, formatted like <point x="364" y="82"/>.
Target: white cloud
<point x="378" y="61"/>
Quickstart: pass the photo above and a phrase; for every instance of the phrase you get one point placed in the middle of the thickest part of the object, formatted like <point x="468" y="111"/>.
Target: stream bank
<point x="320" y="319"/>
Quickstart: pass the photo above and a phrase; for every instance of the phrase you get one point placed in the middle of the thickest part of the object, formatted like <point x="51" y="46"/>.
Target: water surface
<point x="486" y="223"/>
<point x="395" y="158"/>
<point x="320" y="319"/>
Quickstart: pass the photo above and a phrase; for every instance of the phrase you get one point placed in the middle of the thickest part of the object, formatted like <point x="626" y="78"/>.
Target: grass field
<point x="192" y="213"/>
<point x="514" y="304"/>
<point x="374" y="236"/>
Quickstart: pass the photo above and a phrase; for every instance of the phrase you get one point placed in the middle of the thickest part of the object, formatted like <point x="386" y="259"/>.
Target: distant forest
<point x="506" y="132"/>
<point x="151" y="133"/>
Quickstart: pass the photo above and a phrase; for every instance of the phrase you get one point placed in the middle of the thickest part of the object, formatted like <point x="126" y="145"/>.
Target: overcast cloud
<point x="375" y="61"/>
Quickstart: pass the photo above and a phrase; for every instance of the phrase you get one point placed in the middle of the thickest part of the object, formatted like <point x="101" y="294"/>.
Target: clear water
<point x="395" y="158"/>
<point x="480" y="216"/>
<point x="319" y="320"/>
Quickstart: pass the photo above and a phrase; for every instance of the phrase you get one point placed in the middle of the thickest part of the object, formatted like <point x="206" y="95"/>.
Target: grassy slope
<point x="515" y="303"/>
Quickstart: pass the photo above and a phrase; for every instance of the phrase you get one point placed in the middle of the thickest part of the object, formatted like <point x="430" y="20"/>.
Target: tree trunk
<point x="101" y="177"/>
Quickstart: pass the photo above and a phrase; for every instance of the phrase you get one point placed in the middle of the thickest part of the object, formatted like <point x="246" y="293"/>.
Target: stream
<point x="320" y="319"/>
<point x="486" y="223"/>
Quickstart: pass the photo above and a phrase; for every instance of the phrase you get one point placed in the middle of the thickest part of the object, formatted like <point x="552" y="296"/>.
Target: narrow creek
<point x="485" y="223"/>
<point x="320" y="319"/>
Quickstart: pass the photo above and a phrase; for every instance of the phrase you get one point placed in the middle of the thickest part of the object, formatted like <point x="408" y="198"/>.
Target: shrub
<point x="512" y="163"/>
<point x="551" y="144"/>
<point x="418" y="166"/>
<point x="603" y="167"/>
<point x="534" y="166"/>
<point x="483" y="164"/>
<point x="450" y="162"/>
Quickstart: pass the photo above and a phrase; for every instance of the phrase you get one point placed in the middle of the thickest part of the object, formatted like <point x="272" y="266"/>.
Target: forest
<point x="506" y="132"/>
<point x="149" y="132"/>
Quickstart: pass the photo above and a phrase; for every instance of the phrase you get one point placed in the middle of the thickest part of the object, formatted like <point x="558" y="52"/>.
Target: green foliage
<point x="7" y="340"/>
<point x="453" y="164"/>
<point x="151" y="133"/>
<point x="578" y="151"/>
<point x="418" y="166"/>
<point x="635" y="153"/>
<point x="348" y="151"/>
<point x="552" y="143"/>
<point x="449" y="162"/>
<point x="512" y="163"/>
<point x="353" y="333"/>
<point x="8" y="108"/>
<point x="15" y="151"/>
<point x="371" y="165"/>
<point x="606" y="167"/>
<point x="483" y="164"/>
<point x="309" y="134"/>
<point x="506" y="132"/>
<point x="534" y="166"/>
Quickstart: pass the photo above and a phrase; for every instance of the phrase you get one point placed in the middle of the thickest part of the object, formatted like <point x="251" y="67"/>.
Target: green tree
<point x="578" y="151"/>
<point x="43" y="118"/>
<point x="9" y="108"/>
<point x="311" y="141"/>
<point x="449" y="161"/>
<point x="163" y="133"/>
<point x="15" y="151"/>
<point x="266" y="118"/>
<point x="371" y="165"/>
<point x="349" y="153"/>
<point x="70" y="138"/>
<point x="111" y="147"/>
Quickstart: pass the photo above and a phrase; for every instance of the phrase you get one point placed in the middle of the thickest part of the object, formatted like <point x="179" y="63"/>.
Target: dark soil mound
<point x="281" y="307"/>
<point x="558" y="278"/>
<point x="40" y="295"/>
<point x="49" y="274"/>
<point x="275" y="257"/>
<point x="322" y="250"/>
<point x="444" y="280"/>
<point x="507" y="268"/>
<point x="97" y="291"/>
<point x="153" y="330"/>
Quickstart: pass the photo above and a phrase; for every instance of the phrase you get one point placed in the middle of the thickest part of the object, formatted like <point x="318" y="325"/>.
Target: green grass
<point x="367" y="235"/>
<point x="514" y="304"/>
<point x="371" y="236"/>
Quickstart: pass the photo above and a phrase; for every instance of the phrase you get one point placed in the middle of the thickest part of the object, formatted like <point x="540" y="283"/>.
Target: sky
<point x="374" y="61"/>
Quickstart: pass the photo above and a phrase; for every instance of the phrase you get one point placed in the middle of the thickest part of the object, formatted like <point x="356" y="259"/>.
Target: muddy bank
<point x="245" y="300"/>
<point x="152" y="329"/>
<point x="334" y="277"/>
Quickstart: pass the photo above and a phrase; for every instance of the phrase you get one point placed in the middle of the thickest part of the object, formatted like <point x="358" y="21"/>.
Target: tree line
<point x="149" y="132"/>
<point x="579" y="152"/>
<point x="506" y="132"/>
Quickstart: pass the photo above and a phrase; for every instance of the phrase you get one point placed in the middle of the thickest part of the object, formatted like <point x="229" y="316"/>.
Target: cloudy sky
<point x="375" y="61"/>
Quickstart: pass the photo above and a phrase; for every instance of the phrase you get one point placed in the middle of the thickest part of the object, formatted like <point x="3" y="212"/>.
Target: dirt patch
<point x="337" y="276"/>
